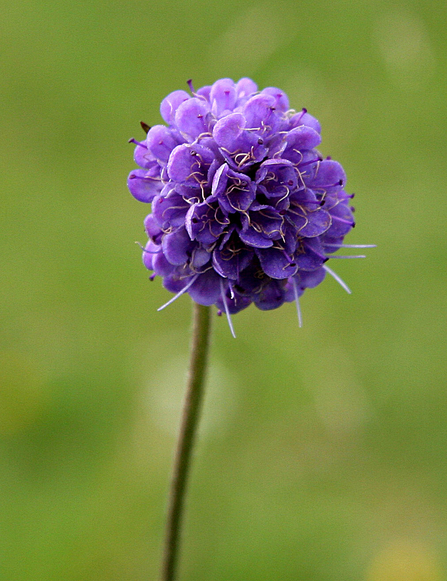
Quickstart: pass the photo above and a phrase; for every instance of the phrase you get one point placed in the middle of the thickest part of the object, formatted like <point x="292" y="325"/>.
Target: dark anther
<point x="194" y="220"/>
<point x="192" y="152"/>
<point x="260" y="141"/>
<point x="290" y="182"/>
<point x="145" y="126"/>
<point x="340" y="183"/>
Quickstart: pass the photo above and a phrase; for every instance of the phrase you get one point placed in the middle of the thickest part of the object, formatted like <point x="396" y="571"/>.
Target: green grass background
<point x="322" y="455"/>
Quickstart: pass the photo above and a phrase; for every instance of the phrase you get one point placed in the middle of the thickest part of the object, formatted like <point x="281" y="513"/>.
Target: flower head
<point x="244" y="207"/>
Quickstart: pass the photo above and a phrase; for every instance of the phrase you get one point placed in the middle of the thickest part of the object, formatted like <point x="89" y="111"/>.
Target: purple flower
<point x="244" y="207"/>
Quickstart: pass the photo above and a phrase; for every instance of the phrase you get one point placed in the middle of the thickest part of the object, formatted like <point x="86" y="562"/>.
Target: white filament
<point x="297" y="301"/>
<point x="227" y="311"/>
<point x="179" y="294"/>
<point x="337" y="278"/>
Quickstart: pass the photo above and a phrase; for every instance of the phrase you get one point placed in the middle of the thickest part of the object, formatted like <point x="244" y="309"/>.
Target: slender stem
<point x="191" y="412"/>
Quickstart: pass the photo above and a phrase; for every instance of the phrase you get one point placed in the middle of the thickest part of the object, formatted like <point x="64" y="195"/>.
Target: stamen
<point x="297" y="302"/>
<point x="303" y="112"/>
<point x="190" y="85"/>
<point x="179" y="294"/>
<point x="140" y="143"/>
<point x="227" y="311"/>
<point x="337" y="278"/>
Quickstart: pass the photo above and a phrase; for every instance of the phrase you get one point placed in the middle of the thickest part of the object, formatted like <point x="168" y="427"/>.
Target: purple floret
<point x="244" y="208"/>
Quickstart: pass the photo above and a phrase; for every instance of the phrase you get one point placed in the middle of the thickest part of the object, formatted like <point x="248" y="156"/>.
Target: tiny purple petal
<point x="177" y="247"/>
<point x="144" y="185"/>
<point x="271" y="297"/>
<point x="276" y="264"/>
<point x="223" y="97"/>
<point x="160" y="142"/>
<point x="281" y="99"/>
<point x="206" y="289"/>
<point x="191" y="118"/>
<point x="189" y="164"/>
<point x="171" y="103"/>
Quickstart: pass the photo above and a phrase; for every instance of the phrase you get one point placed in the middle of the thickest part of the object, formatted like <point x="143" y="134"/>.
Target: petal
<point x="317" y="223"/>
<point x="160" y="142"/>
<point x="199" y="258"/>
<point x="241" y="147"/>
<point x="294" y="142"/>
<point x="342" y="221"/>
<point x="230" y="263"/>
<point x="228" y="130"/>
<point x="312" y="278"/>
<point x="145" y="185"/>
<point x="253" y="238"/>
<point x="143" y="157"/>
<point x="281" y="99"/>
<point x="177" y="246"/>
<point x="245" y="88"/>
<point x="222" y="96"/>
<point x="152" y="228"/>
<point x="276" y="264"/>
<point x="324" y="175"/>
<point x="259" y="113"/>
<point x="189" y="164"/>
<point x="271" y="297"/>
<point x="311" y="254"/>
<point x="149" y="253"/>
<point x="161" y="266"/>
<point x="205" y="223"/>
<point x="169" y="212"/>
<point x="303" y="118"/>
<point x="171" y="103"/>
<point x="206" y="289"/>
<point x="236" y="193"/>
<point x="191" y="118"/>
<point x="204" y="92"/>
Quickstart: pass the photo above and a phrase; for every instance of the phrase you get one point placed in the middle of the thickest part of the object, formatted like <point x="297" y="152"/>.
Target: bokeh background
<point x="322" y="453"/>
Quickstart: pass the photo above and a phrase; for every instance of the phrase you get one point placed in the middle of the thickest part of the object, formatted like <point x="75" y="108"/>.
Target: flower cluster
<point x="244" y="207"/>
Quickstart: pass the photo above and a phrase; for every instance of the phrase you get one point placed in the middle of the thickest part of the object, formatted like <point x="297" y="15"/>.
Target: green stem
<point x="191" y="412"/>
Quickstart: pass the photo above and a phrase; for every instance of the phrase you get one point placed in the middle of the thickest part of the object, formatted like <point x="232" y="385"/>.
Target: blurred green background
<point x="322" y="453"/>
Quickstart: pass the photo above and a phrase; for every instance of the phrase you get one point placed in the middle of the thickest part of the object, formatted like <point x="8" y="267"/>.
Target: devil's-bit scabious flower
<point x="244" y="207"/>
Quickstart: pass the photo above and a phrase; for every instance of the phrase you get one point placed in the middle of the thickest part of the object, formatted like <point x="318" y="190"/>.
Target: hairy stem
<point x="191" y="412"/>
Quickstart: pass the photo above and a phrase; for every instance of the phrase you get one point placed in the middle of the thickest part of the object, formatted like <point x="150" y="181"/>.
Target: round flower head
<point x="244" y="207"/>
